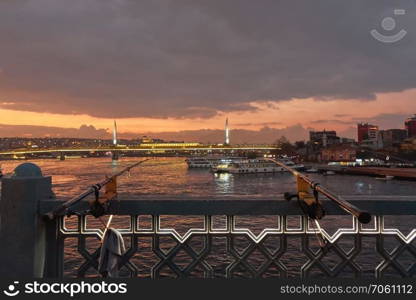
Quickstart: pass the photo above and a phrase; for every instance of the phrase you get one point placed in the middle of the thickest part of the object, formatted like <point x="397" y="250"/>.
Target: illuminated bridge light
<point x="143" y="147"/>
<point x="153" y="145"/>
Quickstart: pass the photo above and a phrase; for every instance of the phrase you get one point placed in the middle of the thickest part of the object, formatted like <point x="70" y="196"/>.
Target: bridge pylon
<point x="115" y="155"/>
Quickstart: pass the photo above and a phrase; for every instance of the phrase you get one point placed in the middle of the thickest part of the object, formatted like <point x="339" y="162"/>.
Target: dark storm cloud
<point x="193" y="58"/>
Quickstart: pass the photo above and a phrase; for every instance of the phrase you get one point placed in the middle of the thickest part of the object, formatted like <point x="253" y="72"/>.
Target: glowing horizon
<point x="330" y="114"/>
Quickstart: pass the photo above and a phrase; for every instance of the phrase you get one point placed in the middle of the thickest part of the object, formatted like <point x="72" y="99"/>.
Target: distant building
<point x="148" y="140"/>
<point x="408" y="145"/>
<point x="391" y="137"/>
<point x="339" y="153"/>
<point x="344" y="140"/>
<point x="368" y="135"/>
<point x="366" y="131"/>
<point x="410" y="125"/>
<point x="323" y="138"/>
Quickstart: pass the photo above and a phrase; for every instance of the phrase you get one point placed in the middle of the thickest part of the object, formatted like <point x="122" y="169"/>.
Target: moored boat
<point x="248" y="166"/>
<point x="208" y="162"/>
<point x="386" y="178"/>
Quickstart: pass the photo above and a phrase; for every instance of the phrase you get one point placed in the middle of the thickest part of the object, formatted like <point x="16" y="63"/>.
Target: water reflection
<point x="224" y="183"/>
<point x="171" y="176"/>
<point x="359" y="187"/>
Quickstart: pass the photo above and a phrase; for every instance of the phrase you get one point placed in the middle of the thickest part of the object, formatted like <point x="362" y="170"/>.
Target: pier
<point x="401" y="173"/>
<point x="35" y="231"/>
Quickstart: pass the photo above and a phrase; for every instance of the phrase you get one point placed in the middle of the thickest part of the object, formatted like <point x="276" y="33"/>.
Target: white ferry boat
<point x="210" y="161"/>
<point x="253" y="166"/>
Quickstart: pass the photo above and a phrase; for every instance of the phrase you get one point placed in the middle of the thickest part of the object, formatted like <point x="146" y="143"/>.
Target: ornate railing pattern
<point x="334" y="260"/>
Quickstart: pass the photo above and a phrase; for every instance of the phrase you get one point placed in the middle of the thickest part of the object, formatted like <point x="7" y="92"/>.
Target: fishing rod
<point x="94" y="189"/>
<point x="362" y="216"/>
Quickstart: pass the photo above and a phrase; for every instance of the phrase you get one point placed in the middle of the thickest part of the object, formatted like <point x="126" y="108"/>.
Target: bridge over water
<point x="157" y="148"/>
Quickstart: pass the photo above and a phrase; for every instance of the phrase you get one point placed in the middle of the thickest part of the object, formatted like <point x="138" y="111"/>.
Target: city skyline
<point x="296" y="132"/>
<point x="345" y="126"/>
<point x="180" y="68"/>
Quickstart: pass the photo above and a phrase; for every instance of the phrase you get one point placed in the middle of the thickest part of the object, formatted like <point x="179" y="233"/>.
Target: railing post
<point x="54" y="250"/>
<point x="22" y="229"/>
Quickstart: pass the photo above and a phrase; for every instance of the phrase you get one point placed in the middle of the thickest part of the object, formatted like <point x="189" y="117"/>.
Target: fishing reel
<point x="100" y="205"/>
<point x="310" y="204"/>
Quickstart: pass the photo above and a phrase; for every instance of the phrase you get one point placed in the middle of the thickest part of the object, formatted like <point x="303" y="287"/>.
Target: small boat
<point x="327" y="173"/>
<point x="386" y="178"/>
<point x="289" y="163"/>
<point x="312" y="170"/>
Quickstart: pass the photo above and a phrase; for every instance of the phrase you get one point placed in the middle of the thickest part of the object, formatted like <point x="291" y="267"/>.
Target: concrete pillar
<point x="22" y="230"/>
<point x="115" y="155"/>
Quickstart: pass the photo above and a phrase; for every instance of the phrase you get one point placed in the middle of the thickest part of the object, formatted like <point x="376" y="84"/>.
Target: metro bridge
<point x="146" y="148"/>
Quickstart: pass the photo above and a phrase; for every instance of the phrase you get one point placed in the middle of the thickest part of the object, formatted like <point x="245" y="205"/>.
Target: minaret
<point x="115" y="134"/>
<point x="227" y="133"/>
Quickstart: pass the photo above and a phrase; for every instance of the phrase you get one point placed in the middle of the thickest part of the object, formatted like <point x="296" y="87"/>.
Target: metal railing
<point x="255" y="258"/>
<point x="246" y="251"/>
<point x="204" y="237"/>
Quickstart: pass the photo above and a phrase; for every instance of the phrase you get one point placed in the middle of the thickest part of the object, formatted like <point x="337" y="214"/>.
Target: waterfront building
<point x="148" y="140"/>
<point x="339" y="153"/>
<point x="410" y="125"/>
<point x="368" y="135"/>
<point x="344" y="140"/>
<point x="323" y="138"/>
<point x="366" y="131"/>
<point x="391" y="137"/>
<point x="408" y="145"/>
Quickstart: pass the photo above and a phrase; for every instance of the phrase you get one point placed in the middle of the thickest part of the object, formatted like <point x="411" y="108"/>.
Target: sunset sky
<point x="174" y="68"/>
